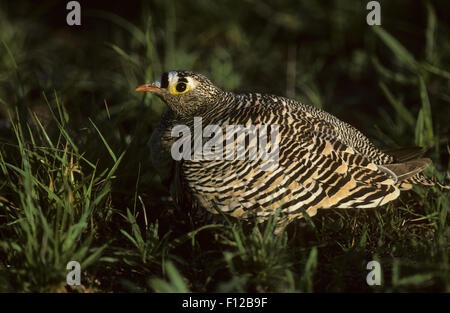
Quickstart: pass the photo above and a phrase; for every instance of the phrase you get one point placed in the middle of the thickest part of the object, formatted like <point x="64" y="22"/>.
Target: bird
<point x="322" y="162"/>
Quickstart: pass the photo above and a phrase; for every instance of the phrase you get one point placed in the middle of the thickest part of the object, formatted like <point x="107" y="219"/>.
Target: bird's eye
<point x="179" y="88"/>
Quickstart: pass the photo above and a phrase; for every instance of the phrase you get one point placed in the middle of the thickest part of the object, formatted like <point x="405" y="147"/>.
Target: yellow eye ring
<point x="179" y="88"/>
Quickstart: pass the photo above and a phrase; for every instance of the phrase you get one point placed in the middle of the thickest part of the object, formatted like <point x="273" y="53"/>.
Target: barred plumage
<point x="323" y="162"/>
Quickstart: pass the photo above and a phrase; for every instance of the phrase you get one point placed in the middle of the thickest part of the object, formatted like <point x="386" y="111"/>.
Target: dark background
<point x="392" y="84"/>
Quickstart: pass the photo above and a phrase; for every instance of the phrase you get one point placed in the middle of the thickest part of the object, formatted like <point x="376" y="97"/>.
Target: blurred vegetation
<point x="75" y="178"/>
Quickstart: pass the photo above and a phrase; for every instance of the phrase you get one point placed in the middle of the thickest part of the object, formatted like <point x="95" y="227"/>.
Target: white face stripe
<point x="173" y="78"/>
<point x="192" y="83"/>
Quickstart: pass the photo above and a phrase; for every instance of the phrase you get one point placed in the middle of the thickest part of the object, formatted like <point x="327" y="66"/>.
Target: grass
<point x="75" y="178"/>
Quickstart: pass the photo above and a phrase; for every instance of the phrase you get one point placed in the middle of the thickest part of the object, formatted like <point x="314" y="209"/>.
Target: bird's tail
<point x="408" y="174"/>
<point x="409" y="161"/>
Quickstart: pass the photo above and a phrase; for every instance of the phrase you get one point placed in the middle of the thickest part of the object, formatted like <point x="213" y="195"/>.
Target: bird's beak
<point x="149" y="88"/>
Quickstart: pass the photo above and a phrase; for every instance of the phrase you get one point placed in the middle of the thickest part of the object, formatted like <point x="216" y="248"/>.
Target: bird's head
<point x="186" y="93"/>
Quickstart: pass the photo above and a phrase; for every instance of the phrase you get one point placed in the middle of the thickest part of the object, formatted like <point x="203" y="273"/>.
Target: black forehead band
<point x="165" y="80"/>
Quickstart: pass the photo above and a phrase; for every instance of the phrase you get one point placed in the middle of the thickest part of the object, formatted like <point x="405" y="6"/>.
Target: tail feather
<point x="408" y="173"/>
<point x="405" y="170"/>
<point x="406" y="154"/>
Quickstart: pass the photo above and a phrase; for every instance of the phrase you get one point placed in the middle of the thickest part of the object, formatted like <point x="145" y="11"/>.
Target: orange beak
<point x="149" y="88"/>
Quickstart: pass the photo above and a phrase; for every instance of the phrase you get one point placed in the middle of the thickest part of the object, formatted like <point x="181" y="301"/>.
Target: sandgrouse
<point x="318" y="161"/>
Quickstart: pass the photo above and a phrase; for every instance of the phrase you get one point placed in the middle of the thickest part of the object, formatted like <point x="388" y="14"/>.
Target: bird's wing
<point x="315" y="170"/>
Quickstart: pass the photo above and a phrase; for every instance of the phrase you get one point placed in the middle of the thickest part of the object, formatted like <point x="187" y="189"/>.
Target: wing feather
<point x="315" y="170"/>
